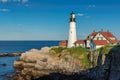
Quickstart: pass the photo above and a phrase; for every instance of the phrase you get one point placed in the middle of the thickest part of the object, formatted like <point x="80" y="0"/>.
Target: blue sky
<point x="49" y="19"/>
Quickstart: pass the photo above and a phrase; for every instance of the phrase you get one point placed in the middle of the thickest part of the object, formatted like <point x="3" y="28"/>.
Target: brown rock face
<point x="36" y="63"/>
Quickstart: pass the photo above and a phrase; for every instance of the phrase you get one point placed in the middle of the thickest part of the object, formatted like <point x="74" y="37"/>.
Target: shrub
<point x="59" y="49"/>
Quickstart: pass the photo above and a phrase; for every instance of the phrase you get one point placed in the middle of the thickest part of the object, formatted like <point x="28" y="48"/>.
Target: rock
<point x="37" y="63"/>
<point x="10" y="55"/>
<point x="108" y="66"/>
<point x="46" y="64"/>
<point x="114" y="66"/>
<point x="4" y="64"/>
<point x="18" y="65"/>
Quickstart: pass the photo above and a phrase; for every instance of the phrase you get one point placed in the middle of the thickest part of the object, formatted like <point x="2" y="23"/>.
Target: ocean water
<point x="18" y="46"/>
<point x="22" y="46"/>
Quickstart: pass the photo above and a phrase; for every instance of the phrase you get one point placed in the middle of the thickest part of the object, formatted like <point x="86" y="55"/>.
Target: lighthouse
<point x="72" y="31"/>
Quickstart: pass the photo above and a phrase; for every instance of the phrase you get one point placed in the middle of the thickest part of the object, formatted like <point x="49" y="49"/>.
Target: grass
<point x="77" y="50"/>
<point x="59" y="49"/>
<point x="105" y="49"/>
<point x="78" y="53"/>
<point x="82" y="54"/>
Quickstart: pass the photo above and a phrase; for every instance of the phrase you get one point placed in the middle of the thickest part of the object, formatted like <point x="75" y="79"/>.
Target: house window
<point x="97" y="38"/>
<point x="99" y="34"/>
<point x="101" y="38"/>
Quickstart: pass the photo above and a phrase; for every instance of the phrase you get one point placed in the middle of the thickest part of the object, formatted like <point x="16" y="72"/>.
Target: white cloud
<point x="4" y="10"/>
<point x="4" y="1"/>
<point x="91" y="6"/>
<point x="80" y="14"/>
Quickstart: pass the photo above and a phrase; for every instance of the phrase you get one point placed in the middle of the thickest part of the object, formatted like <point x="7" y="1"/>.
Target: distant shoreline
<point x="10" y="55"/>
<point x="31" y="40"/>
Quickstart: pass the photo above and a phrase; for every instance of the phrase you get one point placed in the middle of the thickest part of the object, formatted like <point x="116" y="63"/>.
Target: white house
<point x="98" y="39"/>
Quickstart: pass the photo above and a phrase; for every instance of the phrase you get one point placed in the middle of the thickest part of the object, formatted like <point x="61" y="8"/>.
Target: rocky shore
<point x="46" y="64"/>
<point x="36" y="64"/>
<point x="10" y="55"/>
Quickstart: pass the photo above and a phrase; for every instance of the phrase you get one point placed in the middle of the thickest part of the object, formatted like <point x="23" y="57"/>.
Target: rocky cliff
<point x="34" y="64"/>
<point x="69" y="64"/>
<point x="107" y="64"/>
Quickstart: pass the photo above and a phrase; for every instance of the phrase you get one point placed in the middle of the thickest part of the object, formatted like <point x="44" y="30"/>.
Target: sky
<point x="49" y="19"/>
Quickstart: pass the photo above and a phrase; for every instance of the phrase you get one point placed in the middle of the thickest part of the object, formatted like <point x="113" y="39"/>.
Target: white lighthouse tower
<point x="72" y="31"/>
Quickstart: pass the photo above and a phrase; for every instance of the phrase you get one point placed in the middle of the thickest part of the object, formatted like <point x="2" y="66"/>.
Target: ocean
<point x="18" y="46"/>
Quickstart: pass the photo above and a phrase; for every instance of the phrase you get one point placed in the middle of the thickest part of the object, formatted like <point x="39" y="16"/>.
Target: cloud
<point x="91" y="6"/>
<point x="4" y="10"/>
<point x="80" y="14"/>
<point x="5" y="1"/>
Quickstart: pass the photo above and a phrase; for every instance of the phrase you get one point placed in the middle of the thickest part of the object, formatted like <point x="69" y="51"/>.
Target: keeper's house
<point x="95" y="40"/>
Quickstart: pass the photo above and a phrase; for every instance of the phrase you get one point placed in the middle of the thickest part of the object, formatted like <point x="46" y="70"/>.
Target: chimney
<point x="93" y="30"/>
<point x="108" y="30"/>
<point x="101" y="30"/>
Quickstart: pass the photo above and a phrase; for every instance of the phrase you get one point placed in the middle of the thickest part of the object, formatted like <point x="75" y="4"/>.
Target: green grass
<point x="105" y="49"/>
<point x="59" y="49"/>
<point x="81" y="53"/>
<point x="77" y="52"/>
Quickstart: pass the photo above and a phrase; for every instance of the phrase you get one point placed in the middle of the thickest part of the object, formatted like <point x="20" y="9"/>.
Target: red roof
<point x="109" y="35"/>
<point x="100" y="42"/>
<point x="79" y="42"/>
<point x="113" y="41"/>
<point x="63" y="43"/>
<point x="92" y="34"/>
